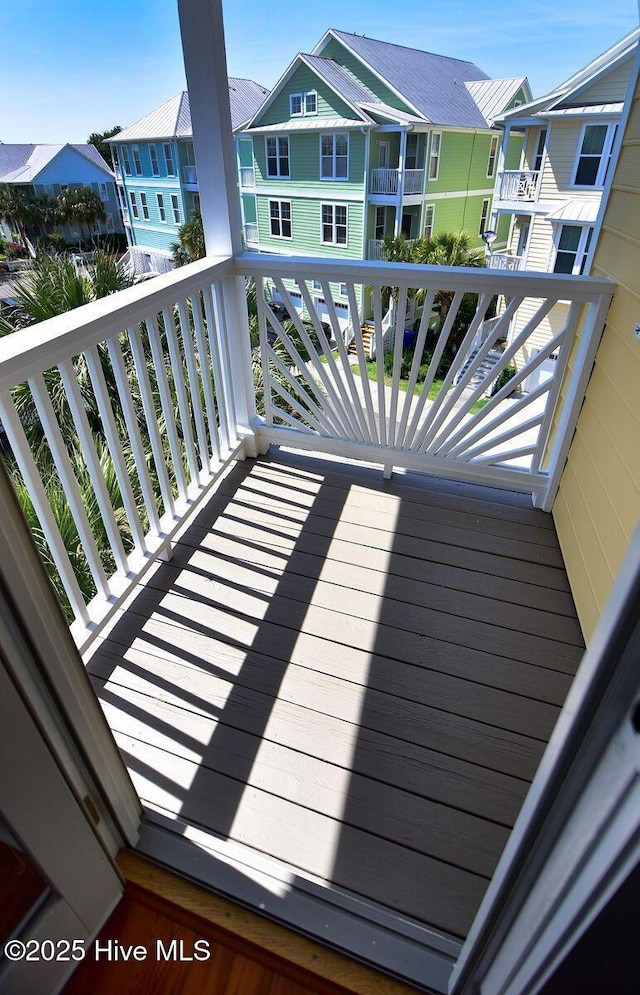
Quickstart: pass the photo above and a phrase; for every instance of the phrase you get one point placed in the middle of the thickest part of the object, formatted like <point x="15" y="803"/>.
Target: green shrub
<point x="504" y="377"/>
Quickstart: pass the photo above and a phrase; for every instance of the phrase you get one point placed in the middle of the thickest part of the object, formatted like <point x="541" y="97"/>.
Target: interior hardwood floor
<point x="247" y="954"/>
<point x="356" y="677"/>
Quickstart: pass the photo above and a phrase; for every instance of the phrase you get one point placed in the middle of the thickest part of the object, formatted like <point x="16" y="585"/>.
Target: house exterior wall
<point x="154" y="234"/>
<point x="306" y="227"/>
<point x="303" y="81"/>
<point x="611" y="88"/>
<point x="598" y="505"/>
<point x="304" y="164"/>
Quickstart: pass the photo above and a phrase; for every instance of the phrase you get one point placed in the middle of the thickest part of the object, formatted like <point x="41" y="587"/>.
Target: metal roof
<point x="493" y="95"/>
<point x="340" y="79"/>
<point x="432" y="85"/>
<point x="585" y="109"/>
<point x="582" y="212"/>
<point x="172" y="119"/>
<point x="23" y="163"/>
<point x="309" y="124"/>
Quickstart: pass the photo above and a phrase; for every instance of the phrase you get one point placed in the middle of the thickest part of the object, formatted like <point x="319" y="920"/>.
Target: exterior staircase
<point x="484" y="370"/>
<point x="368" y="338"/>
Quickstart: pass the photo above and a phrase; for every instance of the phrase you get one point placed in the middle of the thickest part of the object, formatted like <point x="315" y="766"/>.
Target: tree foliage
<point x="99" y="140"/>
<point x="80" y="206"/>
<point x="190" y="245"/>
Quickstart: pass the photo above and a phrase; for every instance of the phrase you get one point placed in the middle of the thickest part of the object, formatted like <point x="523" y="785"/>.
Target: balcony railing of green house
<point x="519" y="184"/>
<point x="504" y="260"/>
<point x="387" y="181"/>
<point x="190" y="175"/>
<point x="171" y="387"/>
<point x="375" y="249"/>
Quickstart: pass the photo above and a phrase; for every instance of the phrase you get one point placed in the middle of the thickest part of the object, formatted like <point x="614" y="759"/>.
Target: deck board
<point x="354" y="676"/>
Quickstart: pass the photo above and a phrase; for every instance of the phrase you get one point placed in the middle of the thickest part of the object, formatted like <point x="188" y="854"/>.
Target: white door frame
<point x="578" y="834"/>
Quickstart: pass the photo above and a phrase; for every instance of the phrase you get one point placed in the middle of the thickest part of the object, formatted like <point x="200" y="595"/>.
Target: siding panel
<point x="600" y="488"/>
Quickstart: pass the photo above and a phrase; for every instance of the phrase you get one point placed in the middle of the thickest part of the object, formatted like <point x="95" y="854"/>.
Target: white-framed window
<point x="334" y="156"/>
<point x="196" y="202"/>
<point x="48" y="190"/>
<point x="594" y="153"/>
<point x="343" y="290"/>
<point x="380" y="223"/>
<point x="316" y="285"/>
<point x="144" y="205"/>
<point x="493" y="155"/>
<point x="277" y="150"/>
<point x="103" y="190"/>
<point x="175" y="207"/>
<point x="301" y="104"/>
<point x="434" y="154"/>
<point x="126" y="162"/>
<point x="280" y="218"/>
<point x="134" y="204"/>
<point x="484" y="214"/>
<point x="540" y="149"/>
<point x="162" y="211"/>
<point x="190" y="153"/>
<point x="572" y="245"/>
<point x="137" y="162"/>
<point x="334" y="224"/>
<point x="109" y="223"/>
<point x="153" y="156"/>
<point x="429" y="218"/>
<point x="168" y="159"/>
<point x="411" y="161"/>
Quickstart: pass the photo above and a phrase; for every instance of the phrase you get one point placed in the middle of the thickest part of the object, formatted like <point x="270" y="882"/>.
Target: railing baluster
<point x="344" y="373"/>
<point x="131" y="422"/>
<point x="214" y="333"/>
<point x="115" y="446"/>
<point x="362" y="360"/>
<point x="415" y="365"/>
<point x="181" y="393"/>
<point x="379" y="340"/>
<point x="38" y="495"/>
<point x="203" y="354"/>
<point x="167" y="403"/>
<point x="398" y="346"/>
<point x="76" y="404"/>
<point x="68" y="480"/>
<point x="151" y="417"/>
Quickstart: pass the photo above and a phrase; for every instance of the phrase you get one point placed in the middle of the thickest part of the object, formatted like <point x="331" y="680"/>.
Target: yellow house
<point x="554" y="197"/>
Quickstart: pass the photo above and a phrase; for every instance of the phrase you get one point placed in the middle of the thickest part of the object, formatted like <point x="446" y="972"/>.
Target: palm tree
<point x="447" y="249"/>
<point x="190" y="245"/>
<point x="14" y="209"/>
<point x="81" y="206"/>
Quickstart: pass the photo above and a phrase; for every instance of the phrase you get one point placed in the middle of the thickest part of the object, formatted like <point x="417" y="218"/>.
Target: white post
<point x="402" y="156"/>
<point x="205" y="62"/>
<point x="202" y="29"/>
<point x="502" y="157"/>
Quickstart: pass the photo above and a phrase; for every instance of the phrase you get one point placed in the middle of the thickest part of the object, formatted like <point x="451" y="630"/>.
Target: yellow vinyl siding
<point x="598" y="504"/>
<point x="611" y="89"/>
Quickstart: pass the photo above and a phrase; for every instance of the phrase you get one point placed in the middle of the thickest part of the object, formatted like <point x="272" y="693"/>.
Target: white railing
<point x="519" y="184"/>
<point x="251" y="234"/>
<point x="375" y="248"/>
<point x="247" y="177"/>
<point x="326" y="407"/>
<point x="504" y="260"/>
<point x="190" y="174"/>
<point x="385" y="181"/>
<point x="125" y="215"/>
<point x="119" y="416"/>
<point x="413" y="180"/>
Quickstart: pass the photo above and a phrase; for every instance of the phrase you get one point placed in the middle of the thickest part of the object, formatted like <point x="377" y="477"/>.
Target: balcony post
<point x="202" y="30"/>
<point x="402" y="158"/>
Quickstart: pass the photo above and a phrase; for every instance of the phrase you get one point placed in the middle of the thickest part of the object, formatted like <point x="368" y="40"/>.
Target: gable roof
<point x="172" y="119"/>
<point x="567" y="94"/>
<point x="431" y="85"/>
<point x="493" y="95"/>
<point x="23" y="163"/>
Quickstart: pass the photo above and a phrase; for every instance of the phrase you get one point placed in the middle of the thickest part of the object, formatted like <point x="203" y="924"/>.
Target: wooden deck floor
<point x="355" y="676"/>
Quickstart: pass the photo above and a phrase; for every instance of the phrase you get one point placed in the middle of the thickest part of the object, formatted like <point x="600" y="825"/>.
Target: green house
<point x="364" y="139"/>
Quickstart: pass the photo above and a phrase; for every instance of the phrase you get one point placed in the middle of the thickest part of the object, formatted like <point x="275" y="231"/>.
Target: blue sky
<point x="75" y="66"/>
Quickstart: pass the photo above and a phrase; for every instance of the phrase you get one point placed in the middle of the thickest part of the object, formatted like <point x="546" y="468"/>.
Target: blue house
<point x="49" y="169"/>
<point x="156" y="172"/>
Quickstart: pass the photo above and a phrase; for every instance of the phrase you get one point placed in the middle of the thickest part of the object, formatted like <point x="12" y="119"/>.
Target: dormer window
<point x="301" y="104"/>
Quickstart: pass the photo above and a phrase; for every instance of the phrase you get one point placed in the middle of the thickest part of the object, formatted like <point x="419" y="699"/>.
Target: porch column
<point x="502" y="156"/>
<point x="402" y="157"/>
<point x="205" y="61"/>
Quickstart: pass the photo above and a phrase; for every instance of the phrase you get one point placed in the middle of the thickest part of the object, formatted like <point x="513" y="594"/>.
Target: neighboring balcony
<point x="247" y="177"/>
<point x="387" y="181"/>
<point x="519" y="185"/>
<point x="190" y="176"/>
<point x="337" y="683"/>
<point x="505" y="261"/>
<point x="376" y="247"/>
<point x="251" y="235"/>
